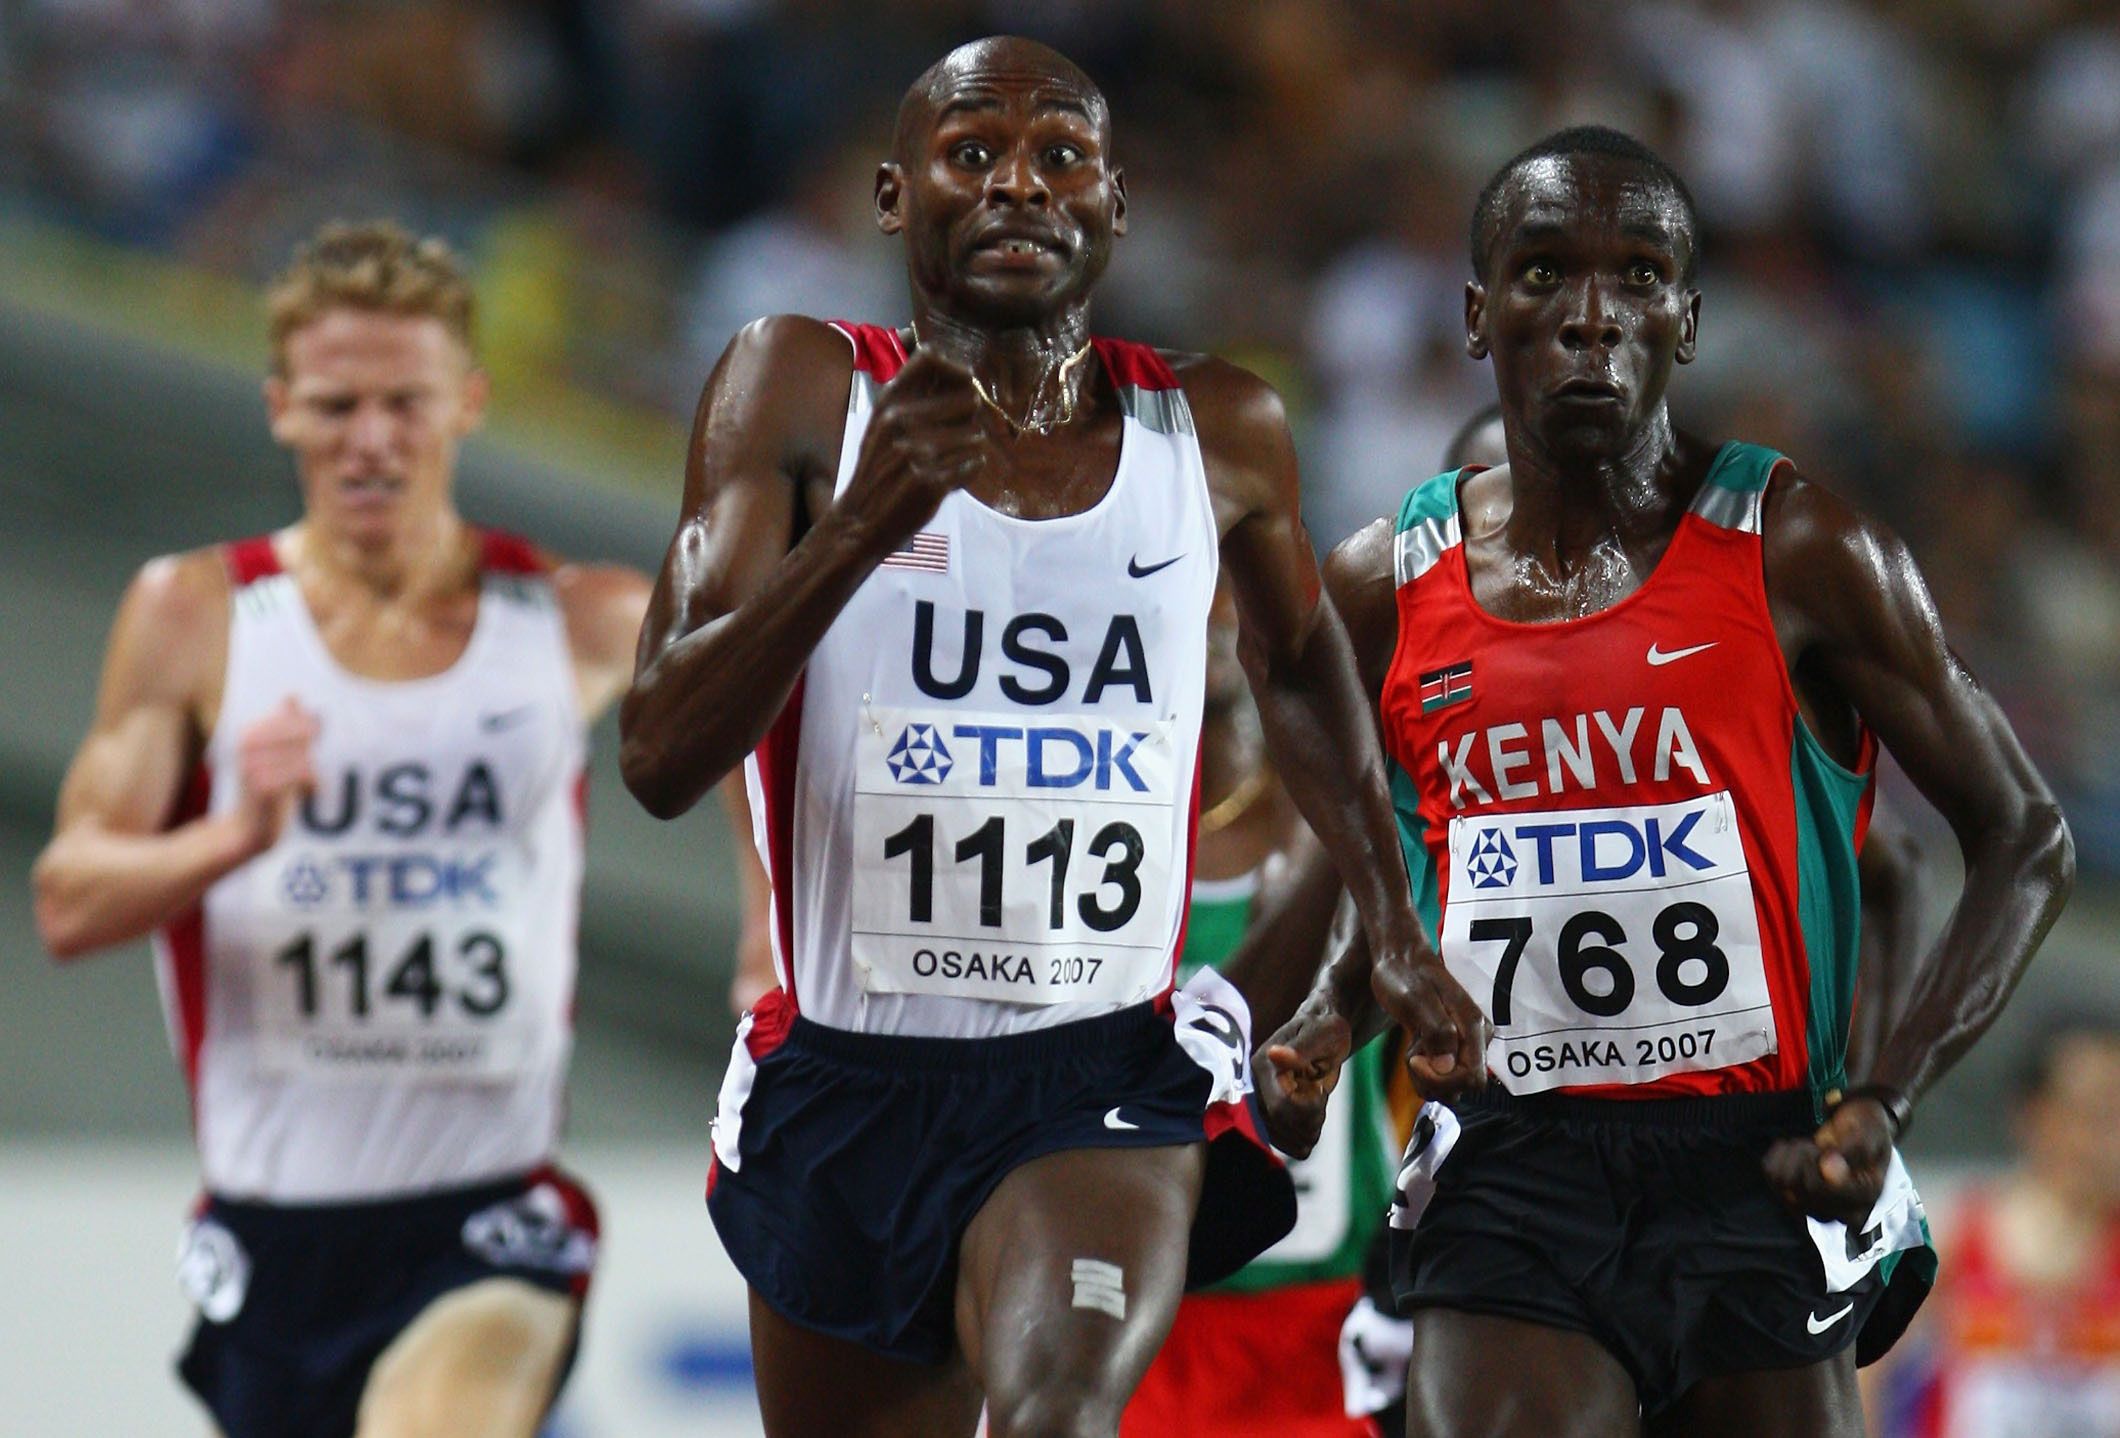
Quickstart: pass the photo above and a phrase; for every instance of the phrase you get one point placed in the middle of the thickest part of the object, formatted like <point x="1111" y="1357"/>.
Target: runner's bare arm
<point x="1889" y="869"/>
<point x="113" y="869"/>
<point x="1291" y="921"/>
<point x="1321" y="729"/>
<point x="736" y="610"/>
<point x="603" y="605"/>
<point x="1851" y="606"/>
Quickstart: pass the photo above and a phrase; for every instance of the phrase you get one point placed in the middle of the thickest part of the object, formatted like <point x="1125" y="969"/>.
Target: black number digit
<point x="1058" y="845"/>
<point x="1121" y="871"/>
<point x="1697" y="947"/>
<point x="353" y="954"/>
<point x="302" y="956"/>
<point x="489" y="962"/>
<point x="1578" y="959"/>
<point x="918" y="840"/>
<point x="984" y="844"/>
<point x="413" y="978"/>
<point x="1516" y="933"/>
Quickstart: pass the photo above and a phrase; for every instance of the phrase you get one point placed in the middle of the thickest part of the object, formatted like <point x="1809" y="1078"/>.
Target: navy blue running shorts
<point x="862" y="1158"/>
<point x="1649" y="1225"/>
<point x="297" y="1301"/>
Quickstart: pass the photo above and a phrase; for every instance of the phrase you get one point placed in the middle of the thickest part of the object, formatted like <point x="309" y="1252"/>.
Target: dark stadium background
<point x="1912" y="274"/>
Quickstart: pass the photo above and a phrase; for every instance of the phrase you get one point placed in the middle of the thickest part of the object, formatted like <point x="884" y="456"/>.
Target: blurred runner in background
<point x="338" y="771"/>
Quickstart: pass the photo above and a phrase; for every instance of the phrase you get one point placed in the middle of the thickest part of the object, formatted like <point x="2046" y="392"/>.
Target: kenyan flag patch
<point x="1442" y="687"/>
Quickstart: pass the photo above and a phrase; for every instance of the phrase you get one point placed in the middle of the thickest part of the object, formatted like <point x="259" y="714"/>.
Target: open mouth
<point x="1019" y="248"/>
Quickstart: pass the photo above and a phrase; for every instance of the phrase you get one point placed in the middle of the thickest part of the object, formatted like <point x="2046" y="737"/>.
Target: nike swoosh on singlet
<point x="1820" y="1325"/>
<point x="1112" y="1120"/>
<point x="1133" y="566"/>
<point x="1662" y="656"/>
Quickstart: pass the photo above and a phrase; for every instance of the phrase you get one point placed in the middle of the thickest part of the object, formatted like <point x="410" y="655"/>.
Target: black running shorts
<point x="1650" y="1226"/>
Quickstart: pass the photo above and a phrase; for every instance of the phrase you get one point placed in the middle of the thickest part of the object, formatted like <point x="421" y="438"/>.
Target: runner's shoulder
<point x="179" y="598"/>
<point x="1235" y="403"/>
<point x="791" y="349"/>
<point x="1821" y="551"/>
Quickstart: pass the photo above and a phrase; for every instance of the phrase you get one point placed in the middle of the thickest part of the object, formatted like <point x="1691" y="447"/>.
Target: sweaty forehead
<point x="994" y="74"/>
<point x="1585" y="194"/>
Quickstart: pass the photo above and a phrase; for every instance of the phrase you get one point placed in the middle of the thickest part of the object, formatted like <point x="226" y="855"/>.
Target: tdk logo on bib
<point x="1542" y="851"/>
<point x="1025" y="757"/>
<point x="919" y="756"/>
<point x="1492" y="863"/>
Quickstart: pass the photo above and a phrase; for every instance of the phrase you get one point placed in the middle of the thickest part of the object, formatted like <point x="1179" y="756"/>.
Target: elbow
<point x="62" y="925"/>
<point x="2056" y="849"/>
<point x="640" y="767"/>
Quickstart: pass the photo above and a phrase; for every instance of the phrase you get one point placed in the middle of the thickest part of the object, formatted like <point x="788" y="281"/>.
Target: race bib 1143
<point x="1024" y="859"/>
<point x="1609" y="945"/>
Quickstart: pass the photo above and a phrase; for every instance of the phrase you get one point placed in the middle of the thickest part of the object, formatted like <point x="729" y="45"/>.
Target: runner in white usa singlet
<point x="379" y="1003"/>
<point x="959" y="613"/>
<point x="337" y="773"/>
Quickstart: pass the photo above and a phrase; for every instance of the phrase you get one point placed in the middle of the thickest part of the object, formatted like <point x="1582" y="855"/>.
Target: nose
<point x="1591" y="320"/>
<point x="373" y="430"/>
<point x="1017" y="180"/>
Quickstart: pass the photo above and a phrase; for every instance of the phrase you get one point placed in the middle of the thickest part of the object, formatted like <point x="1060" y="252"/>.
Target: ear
<point x="1689" y="328"/>
<point x="478" y="389"/>
<point x="1475" y="319"/>
<point x="277" y="408"/>
<point x="1118" y="202"/>
<point x="890" y="196"/>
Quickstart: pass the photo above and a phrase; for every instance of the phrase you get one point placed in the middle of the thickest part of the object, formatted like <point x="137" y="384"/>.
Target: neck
<point x="1020" y="367"/>
<point x="420" y="555"/>
<point x="1574" y="503"/>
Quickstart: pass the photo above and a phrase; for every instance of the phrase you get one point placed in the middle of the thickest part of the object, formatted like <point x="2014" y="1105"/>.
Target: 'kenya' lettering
<point x="1502" y="762"/>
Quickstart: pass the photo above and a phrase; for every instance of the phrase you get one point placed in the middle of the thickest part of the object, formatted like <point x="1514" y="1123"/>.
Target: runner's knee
<point x="1053" y="1407"/>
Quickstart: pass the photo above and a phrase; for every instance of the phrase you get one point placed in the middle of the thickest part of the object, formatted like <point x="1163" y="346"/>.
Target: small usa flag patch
<point x="924" y="551"/>
<point x="1451" y="685"/>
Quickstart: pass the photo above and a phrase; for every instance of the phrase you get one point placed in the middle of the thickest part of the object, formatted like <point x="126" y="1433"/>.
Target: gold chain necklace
<point x="1237" y="802"/>
<point x="1027" y="425"/>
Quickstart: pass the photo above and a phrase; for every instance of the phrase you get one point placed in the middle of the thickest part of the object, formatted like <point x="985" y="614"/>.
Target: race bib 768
<point x="1609" y="945"/>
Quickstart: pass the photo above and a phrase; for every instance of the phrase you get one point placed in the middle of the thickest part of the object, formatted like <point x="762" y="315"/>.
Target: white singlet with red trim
<point x="977" y="807"/>
<point x="380" y="1004"/>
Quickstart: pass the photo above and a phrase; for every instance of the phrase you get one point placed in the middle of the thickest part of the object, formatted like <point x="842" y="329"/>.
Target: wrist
<point x="1898" y="1108"/>
<point x="233" y="838"/>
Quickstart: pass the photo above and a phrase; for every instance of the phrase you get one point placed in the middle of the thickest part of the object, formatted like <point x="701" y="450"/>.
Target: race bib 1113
<point x="1014" y="858"/>
<point x="1609" y="946"/>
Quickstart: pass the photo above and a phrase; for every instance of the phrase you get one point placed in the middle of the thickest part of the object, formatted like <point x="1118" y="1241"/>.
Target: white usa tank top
<point x="977" y="807"/>
<point x="380" y="1004"/>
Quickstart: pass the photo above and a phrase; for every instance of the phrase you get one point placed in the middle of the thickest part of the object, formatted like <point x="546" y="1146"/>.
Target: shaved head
<point x="1009" y="59"/>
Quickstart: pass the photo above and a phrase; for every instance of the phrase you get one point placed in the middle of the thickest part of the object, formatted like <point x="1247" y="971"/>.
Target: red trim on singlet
<point x="1130" y="363"/>
<point x="776" y="756"/>
<point x="878" y="351"/>
<point x="1192" y="855"/>
<point x="185" y="939"/>
<point x="250" y="560"/>
<point x="1865" y="764"/>
<point x="502" y="553"/>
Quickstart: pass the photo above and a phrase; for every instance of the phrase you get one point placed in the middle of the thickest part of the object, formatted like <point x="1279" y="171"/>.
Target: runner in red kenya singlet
<point x="1628" y="683"/>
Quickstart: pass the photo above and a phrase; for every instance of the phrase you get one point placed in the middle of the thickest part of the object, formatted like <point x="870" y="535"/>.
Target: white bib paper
<point x="1609" y="946"/>
<point x="392" y="963"/>
<point x="1012" y="858"/>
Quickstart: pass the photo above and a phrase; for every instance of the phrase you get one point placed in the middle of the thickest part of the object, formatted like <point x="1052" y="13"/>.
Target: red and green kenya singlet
<point x="1638" y="859"/>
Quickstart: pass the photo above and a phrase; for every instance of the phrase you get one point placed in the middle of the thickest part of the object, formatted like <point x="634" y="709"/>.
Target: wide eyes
<point x="1643" y="275"/>
<point x="977" y="155"/>
<point x="1542" y="273"/>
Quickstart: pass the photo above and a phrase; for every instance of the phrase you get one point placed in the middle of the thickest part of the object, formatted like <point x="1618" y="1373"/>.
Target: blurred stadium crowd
<point x="1913" y="210"/>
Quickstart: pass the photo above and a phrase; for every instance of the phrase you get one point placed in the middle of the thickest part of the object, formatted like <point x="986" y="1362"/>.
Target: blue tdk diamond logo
<point x="919" y="756"/>
<point x="1492" y="862"/>
<point x="304" y="883"/>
